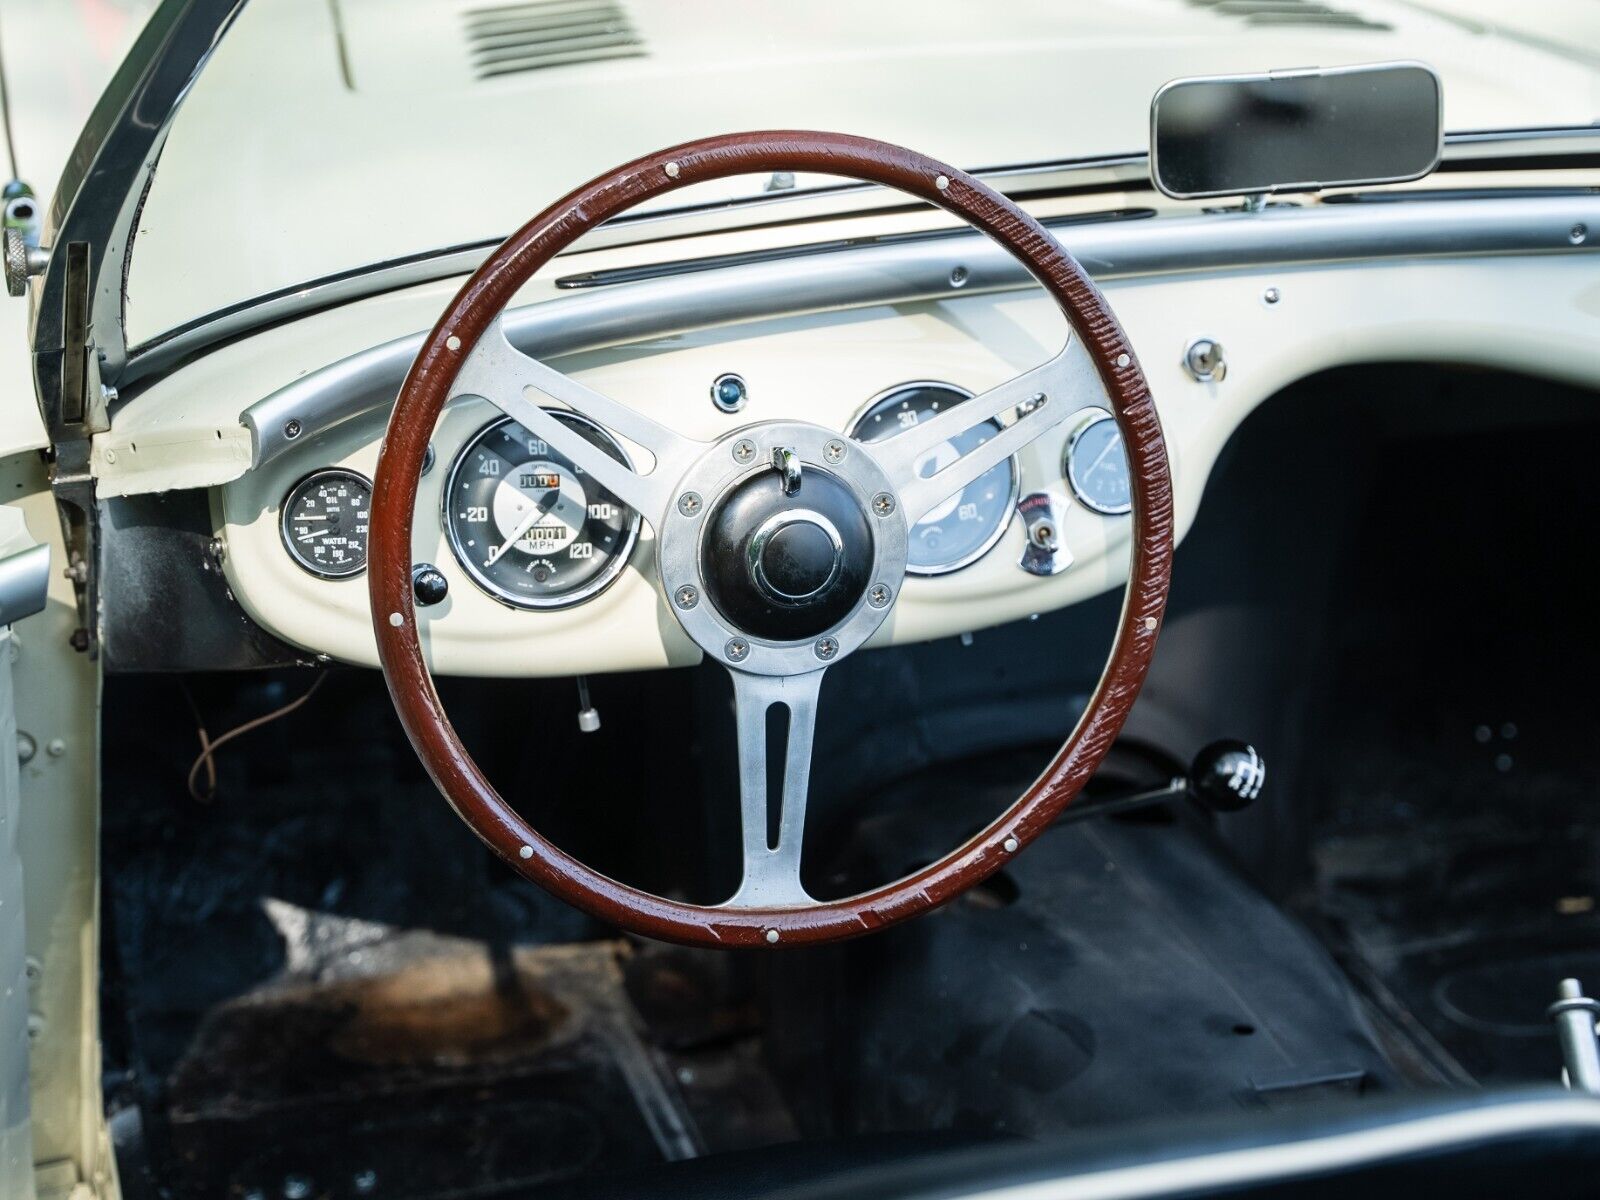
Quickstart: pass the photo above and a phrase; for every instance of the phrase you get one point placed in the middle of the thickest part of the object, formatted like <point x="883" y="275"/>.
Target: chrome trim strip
<point x="922" y="271"/>
<point x="24" y="583"/>
<point x="1229" y="1170"/>
<point x="1110" y="173"/>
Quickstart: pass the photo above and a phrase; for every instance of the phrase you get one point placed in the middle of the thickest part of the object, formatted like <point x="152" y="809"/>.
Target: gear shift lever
<point x="1224" y="777"/>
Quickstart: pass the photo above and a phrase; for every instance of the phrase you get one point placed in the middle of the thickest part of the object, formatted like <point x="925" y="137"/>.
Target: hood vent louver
<point x="1295" y="13"/>
<point x="536" y="35"/>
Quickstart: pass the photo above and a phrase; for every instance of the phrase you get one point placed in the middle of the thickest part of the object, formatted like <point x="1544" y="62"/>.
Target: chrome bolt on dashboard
<point x="879" y="595"/>
<point x="690" y="504"/>
<point x="833" y="451"/>
<point x="1578" y="234"/>
<point x="744" y="450"/>
<point x="737" y="649"/>
<point x="827" y="648"/>
<point x="1271" y="296"/>
<point x="291" y="429"/>
<point x="687" y="596"/>
<point x="883" y="504"/>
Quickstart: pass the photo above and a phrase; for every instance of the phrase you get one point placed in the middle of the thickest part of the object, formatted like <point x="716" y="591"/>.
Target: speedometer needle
<point x="537" y="511"/>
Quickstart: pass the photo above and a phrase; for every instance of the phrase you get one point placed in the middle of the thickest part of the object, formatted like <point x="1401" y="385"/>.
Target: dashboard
<point x="525" y="566"/>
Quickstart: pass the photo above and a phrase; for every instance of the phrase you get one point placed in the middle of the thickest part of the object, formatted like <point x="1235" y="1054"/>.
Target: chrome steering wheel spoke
<point x="773" y="825"/>
<point x="1041" y="399"/>
<point x="498" y="372"/>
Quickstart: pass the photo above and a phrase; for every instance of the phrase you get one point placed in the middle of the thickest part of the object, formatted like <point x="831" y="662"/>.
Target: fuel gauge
<point x="1096" y="464"/>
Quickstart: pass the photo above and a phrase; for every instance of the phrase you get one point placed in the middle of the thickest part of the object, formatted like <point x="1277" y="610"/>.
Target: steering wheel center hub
<point x="782" y="552"/>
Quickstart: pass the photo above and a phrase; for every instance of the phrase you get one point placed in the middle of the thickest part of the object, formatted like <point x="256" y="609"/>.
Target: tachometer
<point x="961" y="528"/>
<point x="532" y="528"/>
<point x="324" y="523"/>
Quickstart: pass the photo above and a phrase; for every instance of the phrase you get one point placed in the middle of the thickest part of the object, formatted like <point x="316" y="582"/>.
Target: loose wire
<point x="208" y="746"/>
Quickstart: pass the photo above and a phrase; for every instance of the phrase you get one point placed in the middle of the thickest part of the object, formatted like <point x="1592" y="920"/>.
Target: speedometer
<point x="960" y="528"/>
<point x="531" y="527"/>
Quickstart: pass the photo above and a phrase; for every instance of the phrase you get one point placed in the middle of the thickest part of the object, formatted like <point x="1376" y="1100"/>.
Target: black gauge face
<point x="531" y="528"/>
<point x="959" y="529"/>
<point x="1097" y="465"/>
<point x="325" y="523"/>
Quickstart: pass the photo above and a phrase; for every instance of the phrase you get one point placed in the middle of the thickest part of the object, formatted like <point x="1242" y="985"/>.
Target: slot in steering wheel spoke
<point x="503" y="375"/>
<point x="772" y="864"/>
<point x="1041" y="398"/>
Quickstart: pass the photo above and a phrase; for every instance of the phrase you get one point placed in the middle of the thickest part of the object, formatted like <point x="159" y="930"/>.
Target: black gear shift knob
<point x="1227" y="776"/>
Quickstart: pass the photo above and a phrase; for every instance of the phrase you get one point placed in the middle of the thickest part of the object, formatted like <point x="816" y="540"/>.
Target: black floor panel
<point x="1457" y="862"/>
<point x="1117" y="970"/>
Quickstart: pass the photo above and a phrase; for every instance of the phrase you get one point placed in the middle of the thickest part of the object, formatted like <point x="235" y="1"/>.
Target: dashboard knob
<point x="428" y="584"/>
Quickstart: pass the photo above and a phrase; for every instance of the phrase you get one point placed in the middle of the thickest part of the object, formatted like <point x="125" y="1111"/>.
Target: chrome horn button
<point x="795" y="556"/>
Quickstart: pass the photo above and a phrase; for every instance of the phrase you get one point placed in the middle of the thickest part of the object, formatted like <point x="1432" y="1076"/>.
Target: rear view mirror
<point x="1295" y="131"/>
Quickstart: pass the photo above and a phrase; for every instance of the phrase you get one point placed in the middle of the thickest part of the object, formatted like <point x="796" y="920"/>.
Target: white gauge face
<point x="324" y="524"/>
<point x="1097" y="465"/>
<point x="530" y="527"/>
<point x="960" y="528"/>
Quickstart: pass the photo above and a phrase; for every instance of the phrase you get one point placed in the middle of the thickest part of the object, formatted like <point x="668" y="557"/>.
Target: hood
<point x="328" y="135"/>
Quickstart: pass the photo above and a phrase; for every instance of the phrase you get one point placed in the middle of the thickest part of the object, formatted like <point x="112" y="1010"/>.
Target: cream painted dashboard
<point x="1536" y="313"/>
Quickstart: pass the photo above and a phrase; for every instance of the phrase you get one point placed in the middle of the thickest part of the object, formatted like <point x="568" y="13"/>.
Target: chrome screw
<point x="958" y="277"/>
<point x="1578" y="234"/>
<point x="1271" y="295"/>
<point x="687" y="596"/>
<point x="827" y="648"/>
<point x="878" y="597"/>
<point x="291" y="429"/>
<point x="744" y="450"/>
<point x="737" y="649"/>
<point x="883" y="504"/>
<point x="689" y="504"/>
<point x="833" y="451"/>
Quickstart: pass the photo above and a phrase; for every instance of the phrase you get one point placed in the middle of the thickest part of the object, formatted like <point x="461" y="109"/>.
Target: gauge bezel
<point x="287" y="507"/>
<point x="990" y="542"/>
<point x="586" y="591"/>
<point x="1087" y="420"/>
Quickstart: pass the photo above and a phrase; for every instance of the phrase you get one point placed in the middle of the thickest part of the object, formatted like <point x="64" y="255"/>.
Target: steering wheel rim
<point x="432" y="381"/>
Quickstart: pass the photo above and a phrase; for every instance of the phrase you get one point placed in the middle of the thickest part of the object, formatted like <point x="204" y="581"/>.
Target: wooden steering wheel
<point x="781" y="547"/>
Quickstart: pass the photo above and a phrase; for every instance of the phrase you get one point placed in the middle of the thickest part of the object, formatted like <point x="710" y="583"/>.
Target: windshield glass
<point x="324" y="136"/>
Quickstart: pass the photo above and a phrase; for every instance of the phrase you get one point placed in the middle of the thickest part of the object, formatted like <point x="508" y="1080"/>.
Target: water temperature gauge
<point x="325" y="523"/>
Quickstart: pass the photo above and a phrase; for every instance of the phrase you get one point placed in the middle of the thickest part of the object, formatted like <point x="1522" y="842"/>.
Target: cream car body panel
<point x="324" y="137"/>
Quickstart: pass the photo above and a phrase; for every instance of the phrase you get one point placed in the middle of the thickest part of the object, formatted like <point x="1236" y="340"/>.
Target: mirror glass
<point x="1295" y="130"/>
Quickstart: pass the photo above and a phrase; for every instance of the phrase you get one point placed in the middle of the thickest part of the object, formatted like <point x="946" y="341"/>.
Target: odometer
<point x="530" y="527"/>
